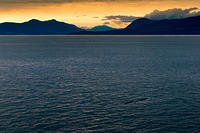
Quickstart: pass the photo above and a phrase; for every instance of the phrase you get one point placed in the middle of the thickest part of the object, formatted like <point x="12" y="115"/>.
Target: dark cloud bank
<point x="59" y="1"/>
<point x="64" y="1"/>
<point x="119" y="19"/>
<point x="176" y="13"/>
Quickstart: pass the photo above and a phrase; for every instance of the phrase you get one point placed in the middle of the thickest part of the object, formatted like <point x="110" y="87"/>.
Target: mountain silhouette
<point x="142" y="26"/>
<point x="36" y="27"/>
<point x="145" y="26"/>
<point x="101" y="28"/>
<point x="189" y="25"/>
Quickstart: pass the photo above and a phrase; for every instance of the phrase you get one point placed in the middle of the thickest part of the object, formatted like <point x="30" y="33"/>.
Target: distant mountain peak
<point x="34" y="21"/>
<point x="139" y="22"/>
<point x="38" y="21"/>
<point x="101" y="28"/>
<point x="52" y="20"/>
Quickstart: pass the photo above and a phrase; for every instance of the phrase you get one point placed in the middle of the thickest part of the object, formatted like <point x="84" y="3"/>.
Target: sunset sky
<point x="88" y="13"/>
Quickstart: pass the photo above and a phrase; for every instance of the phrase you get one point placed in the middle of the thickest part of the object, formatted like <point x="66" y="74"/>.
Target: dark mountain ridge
<point x="36" y="27"/>
<point x="189" y="25"/>
<point x="142" y="26"/>
<point x="145" y="26"/>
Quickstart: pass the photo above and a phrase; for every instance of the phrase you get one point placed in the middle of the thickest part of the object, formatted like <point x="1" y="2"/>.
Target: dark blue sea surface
<point x="100" y="84"/>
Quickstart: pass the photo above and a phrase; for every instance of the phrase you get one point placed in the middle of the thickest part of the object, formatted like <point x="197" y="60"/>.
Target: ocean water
<point x="100" y="84"/>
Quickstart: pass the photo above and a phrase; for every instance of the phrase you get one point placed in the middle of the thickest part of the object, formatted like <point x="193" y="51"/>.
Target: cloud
<point x="85" y="27"/>
<point x="175" y="13"/>
<point x="106" y="23"/>
<point x="120" y="20"/>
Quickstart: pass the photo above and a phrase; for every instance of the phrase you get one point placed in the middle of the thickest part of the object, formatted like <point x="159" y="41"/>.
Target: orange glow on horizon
<point x="88" y="14"/>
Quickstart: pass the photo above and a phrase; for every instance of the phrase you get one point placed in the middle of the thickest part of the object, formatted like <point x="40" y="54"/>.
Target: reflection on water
<point x="100" y="83"/>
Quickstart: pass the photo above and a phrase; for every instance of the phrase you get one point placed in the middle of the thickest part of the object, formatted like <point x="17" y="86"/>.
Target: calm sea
<point x="100" y="84"/>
